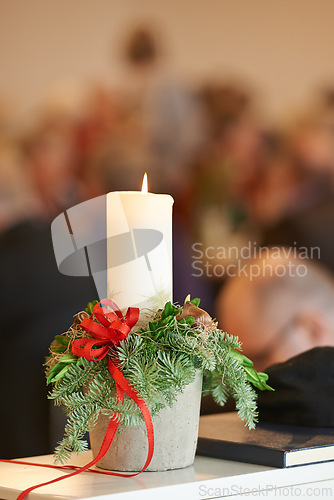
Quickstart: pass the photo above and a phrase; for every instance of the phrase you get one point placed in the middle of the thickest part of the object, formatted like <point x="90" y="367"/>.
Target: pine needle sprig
<point x="176" y="369"/>
<point x="77" y="424"/>
<point x="78" y="376"/>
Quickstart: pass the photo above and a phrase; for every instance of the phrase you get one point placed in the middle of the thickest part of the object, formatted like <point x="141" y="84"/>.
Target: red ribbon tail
<point x="119" y="393"/>
<point x="122" y="386"/>
<point x="107" y="440"/>
<point x="121" y="381"/>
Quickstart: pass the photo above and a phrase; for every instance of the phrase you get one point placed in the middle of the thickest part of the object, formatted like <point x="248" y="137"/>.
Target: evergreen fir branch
<point x="213" y="384"/>
<point x="77" y="425"/>
<point x="77" y="377"/>
<point x="221" y="393"/>
<point x="143" y="374"/>
<point x="224" y="339"/>
<point x="241" y="390"/>
<point x="177" y="370"/>
<point x="73" y="400"/>
<point x="100" y="389"/>
<point x="205" y="358"/>
<point x="182" y="338"/>
<point x="128" y="349"/>
<point x="128" y="412"/>
<point x="246" y="397"/>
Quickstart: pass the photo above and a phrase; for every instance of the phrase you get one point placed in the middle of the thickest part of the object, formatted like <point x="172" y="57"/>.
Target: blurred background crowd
<point x="235" y="177"/>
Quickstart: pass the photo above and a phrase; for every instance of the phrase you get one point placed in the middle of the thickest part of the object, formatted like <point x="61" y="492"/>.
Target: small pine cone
<point x="78" y="318"/>
<point x="200" y="316"/>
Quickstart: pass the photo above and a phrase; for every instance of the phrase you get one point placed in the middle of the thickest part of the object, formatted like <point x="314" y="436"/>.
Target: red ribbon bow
<point x="111" y="328"/>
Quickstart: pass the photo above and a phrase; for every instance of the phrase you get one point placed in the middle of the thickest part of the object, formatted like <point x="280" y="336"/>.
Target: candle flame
<point x="144" y="188"/>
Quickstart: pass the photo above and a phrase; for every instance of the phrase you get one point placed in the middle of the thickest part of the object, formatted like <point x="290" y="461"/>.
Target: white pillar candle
<point x="139" y="248"/>
<point x="124" y="241"/>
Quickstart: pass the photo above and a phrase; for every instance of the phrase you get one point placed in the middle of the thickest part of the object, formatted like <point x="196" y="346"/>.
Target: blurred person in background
<point x="51" y="161"/>
<point x="168" y="112"/>
<point x="283" y="309"/>
<point x="97" y="120"/>
<point x="103" y="117"/>
<point x="284" y="317"/>
<point x="295" y="204"/>
<point x="36" y="303"/>
<point x="226" y="173"/>
<point x="117" y="165"/>
<point x="17" y="198"/>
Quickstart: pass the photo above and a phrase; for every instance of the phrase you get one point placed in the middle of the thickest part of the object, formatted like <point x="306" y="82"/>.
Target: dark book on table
<point x="224" y="435"/>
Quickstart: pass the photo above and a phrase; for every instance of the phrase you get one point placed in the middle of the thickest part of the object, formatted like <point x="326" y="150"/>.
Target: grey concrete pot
<point x="175" y="437"/>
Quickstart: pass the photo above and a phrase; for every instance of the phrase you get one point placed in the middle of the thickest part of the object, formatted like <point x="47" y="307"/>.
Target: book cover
<point x="224" y="435"/>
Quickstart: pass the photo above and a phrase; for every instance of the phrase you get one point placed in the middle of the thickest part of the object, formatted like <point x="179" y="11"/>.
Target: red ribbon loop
<point x="111" y="328"/>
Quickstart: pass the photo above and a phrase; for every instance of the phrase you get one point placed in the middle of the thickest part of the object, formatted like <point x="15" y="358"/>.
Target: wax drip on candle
<point x="144" y="188"/>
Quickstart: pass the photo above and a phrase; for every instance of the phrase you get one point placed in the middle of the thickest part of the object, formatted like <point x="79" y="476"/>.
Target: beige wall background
<point x="283" y="48"/>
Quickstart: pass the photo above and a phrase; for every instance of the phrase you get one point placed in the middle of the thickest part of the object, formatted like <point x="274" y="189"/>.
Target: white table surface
<point x="208" y="478"/>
